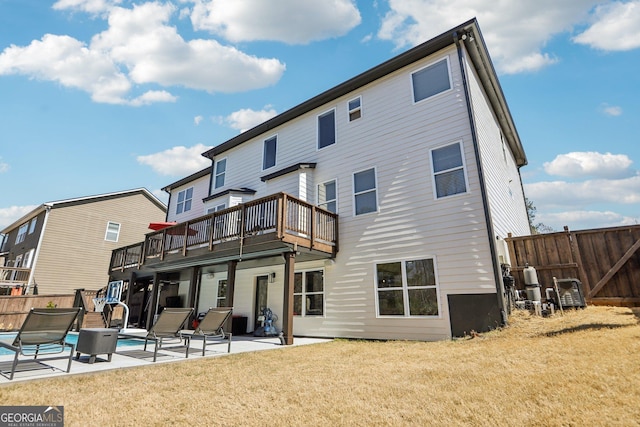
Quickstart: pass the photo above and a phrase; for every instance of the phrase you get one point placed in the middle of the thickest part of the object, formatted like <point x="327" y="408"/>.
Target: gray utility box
<point x="94" y="341"/>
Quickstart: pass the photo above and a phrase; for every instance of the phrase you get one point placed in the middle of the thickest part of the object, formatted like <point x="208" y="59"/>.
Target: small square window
<point x="355" y="109"/>
<point x="113" y="232"/>
<point x="184" y="200"/>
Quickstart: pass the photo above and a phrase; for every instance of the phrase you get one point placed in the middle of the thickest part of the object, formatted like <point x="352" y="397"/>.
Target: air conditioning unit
<point x="570" y="293"/>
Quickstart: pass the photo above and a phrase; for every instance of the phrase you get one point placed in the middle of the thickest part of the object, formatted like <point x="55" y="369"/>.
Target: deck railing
<point x="14" y="276"/>
<point x="282" y="215"/>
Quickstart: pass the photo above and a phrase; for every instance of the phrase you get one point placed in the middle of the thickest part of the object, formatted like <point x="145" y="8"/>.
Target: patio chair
<point x="211" y="327"/>
<point x="168" y="326"/>
<point x="43" y="333"/>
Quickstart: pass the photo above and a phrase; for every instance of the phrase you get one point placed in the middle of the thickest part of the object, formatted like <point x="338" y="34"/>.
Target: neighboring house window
<point x="32" y="225"/>
<point x="364" y="192"/>
<point x="269" y="155"/>
<point x="407" y="288"/>
<point x="113" y="232"/>
<point x="308" y="293"/>
<point x="327" y="129"/>
<point x="184" y="200"/>
<point x="327" y="196"/>
<point x="448" y="170"/>
<point x="431" y="80"/>
<point x="28" y="259"/>
<point x="221" y="168"/>
<point x="22" y="232"/>
<point x="221" y="298"/>
<point x="355" y="109"/>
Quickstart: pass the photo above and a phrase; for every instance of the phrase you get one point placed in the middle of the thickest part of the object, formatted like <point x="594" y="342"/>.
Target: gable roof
<point x="83" y="200"/>
<point x="477" y="50"/>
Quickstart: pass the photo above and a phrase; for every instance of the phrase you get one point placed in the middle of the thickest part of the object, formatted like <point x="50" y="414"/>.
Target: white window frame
<point x="412" y="74"/>
<point x="355" y="194"/>
<point x="324" y="202"/>
<point x="216" y="208"/>
<point x="220" y="300"/>
<point x="462" y="167"/>
<point x="304" y="292"/>
<point x="335" y="129"/>
<point x="217" y="173"/>
<point x="32" y="225"/>
<point x="109" y="232"/>
<point x="273" y="138"/>
<point x="22" y="233"/>
<point x="181" y="206"/>
<point x="405" y="288"/>
<point x="355" y="111"/>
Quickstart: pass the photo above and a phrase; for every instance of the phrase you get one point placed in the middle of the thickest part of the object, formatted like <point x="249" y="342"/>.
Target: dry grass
<point x="579" y="369"/>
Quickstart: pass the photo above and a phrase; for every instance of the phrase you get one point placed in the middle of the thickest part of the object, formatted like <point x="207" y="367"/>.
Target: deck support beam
<point x="289" y="275"/>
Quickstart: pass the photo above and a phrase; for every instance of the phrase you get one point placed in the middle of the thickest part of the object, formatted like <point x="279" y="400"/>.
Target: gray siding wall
<point x="394" y="136"/>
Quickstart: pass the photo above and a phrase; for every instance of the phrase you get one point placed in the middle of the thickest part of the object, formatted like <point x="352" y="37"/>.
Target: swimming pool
<point x="72" y="338"/>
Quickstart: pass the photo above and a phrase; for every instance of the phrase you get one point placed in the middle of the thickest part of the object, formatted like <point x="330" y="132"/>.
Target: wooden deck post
<point x="153" y="307"/>
<point x="231" y="285"/>
<point x="289" y="275"/>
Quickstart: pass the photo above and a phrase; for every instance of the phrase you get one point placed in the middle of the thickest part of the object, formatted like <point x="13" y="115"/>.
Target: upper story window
<point x="221" y="168"/>
<point x="355" y="109"/>
<point x="407" y="288"/>
<point x="269" y="153"/>
<point x="308" y="293"/>
<point x="113" y="232"/>
<point x="32" y="225"/>
<point x="327" y="129"/>
<point x="184" y="200"/>
<point x="448" y="170"/>
<point x="327" y="196"/>
<point x="22" y="232"/>
<point x="431" y="80"/>
<point x="364" y="191"/>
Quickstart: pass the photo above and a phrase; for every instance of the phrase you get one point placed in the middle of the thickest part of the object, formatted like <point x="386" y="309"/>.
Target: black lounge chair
<point x="43" y="333"/>
<point x="168" y="326"/>
<point x="211" y="327"/>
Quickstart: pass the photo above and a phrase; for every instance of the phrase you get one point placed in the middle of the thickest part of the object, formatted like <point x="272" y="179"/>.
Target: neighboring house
<point x="375" y="210"/>
<point x="65" y="245"/>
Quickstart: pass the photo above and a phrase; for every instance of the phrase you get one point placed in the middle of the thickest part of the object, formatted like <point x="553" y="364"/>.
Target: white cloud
<point x="584" y="219"/>
<point x="4" y="167"/>
<point x="89" y="6"/>
<point x="288" y="21"/>
<point x="139" y="47"/>
<point x="516" y="32"/>
<point x="582" y="164"/>
<point x="611" y="110"/>
<point x="245" y="119"/>
<point x="13" y="213"/>
<point x="197" y="120"/>
<point x="614" y="28"/>
<point x="178" y="161"/>
<point x="571" y="195"/>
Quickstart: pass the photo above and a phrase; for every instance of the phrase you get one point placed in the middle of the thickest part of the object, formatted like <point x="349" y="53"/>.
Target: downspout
<point x="32" y="274"/>
<point x="483" y="191"/>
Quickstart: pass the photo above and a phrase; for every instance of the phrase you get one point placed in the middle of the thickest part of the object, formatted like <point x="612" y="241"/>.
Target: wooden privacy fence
<point x="14" y="309"/>
<point x="605" y="260"/>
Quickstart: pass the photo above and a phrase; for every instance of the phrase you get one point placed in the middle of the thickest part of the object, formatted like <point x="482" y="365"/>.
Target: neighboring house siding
<point x="502" y="177"/>
<point x="74" y="251"/>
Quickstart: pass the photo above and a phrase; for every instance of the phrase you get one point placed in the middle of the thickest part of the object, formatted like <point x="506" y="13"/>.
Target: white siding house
<point x="419" y="158"/>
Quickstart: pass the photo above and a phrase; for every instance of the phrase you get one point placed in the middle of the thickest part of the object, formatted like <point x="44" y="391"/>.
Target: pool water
<point x="72" y="338"/>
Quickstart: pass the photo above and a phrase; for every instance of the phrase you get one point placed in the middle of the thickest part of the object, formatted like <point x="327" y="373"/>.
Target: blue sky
<point x="98" y="96"/>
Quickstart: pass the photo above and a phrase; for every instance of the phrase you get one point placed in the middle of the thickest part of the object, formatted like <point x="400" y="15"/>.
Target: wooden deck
<point x="270" y="224"/>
